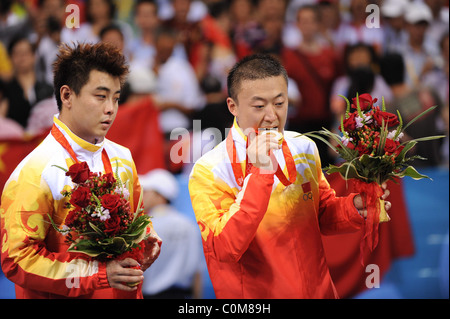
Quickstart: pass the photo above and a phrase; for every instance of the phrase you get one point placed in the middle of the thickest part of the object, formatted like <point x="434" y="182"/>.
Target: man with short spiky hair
<point x="261" y="199"/>
<point x="87" y="84"/>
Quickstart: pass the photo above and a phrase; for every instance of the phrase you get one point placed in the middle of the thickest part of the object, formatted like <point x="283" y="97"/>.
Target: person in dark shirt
<point x="23" y="91"/>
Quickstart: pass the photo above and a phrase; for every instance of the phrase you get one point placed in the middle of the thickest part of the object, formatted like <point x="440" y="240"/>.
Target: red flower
<point x="349" y="123"/>
<point x="351" y="146"/>
<point x="81" y="196"/>
<point x="365" y="101"/>
<point x="78" y="172"/>
<point x="109" y="179"/>
<point x="389" y="118"/>
<point x="70" y="218"/>
<point x="392" y="147"/>
<point x="362" y="149"/>
<point x="112" y="224"/>
<point x="112" y="202"/>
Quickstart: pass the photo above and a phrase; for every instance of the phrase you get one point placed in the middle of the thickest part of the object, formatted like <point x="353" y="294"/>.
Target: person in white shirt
<point x="178" y="92"/>
<point x="176" y="274"/>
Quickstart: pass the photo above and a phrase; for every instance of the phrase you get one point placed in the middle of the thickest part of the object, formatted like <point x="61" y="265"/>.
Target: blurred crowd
<point x="180" y="52"/>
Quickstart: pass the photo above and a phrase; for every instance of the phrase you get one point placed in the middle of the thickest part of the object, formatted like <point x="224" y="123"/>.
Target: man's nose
<point x="270" y="115"/>
<point x="110" y="106"/>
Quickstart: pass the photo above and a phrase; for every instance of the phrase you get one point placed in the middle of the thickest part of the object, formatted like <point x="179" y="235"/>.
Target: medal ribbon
<point x="237" y="170"/>
<point x="65" y="144"/>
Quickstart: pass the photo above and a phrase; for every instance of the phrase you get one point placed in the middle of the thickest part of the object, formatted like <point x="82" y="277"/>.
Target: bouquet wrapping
<point x="369" y="143"/>
<point x="100" y="222"/>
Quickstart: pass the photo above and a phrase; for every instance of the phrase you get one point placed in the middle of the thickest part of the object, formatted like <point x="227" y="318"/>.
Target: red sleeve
<point x="337" y="214"/>
<point x="229" y="224"/>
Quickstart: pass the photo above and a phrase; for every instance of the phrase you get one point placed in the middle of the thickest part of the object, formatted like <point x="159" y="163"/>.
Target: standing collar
<point x="238" y="134"/>
<point x="80" y="146"/>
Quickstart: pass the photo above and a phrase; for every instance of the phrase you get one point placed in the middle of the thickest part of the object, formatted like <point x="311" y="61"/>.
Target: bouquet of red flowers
<point x="100" y="222"/>
<point x="370" y="145"/>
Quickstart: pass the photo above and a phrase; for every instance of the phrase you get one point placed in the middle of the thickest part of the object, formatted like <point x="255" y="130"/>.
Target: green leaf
<point x="97" y="230"/>
<point x="419" y="116"/>
<point x="87" y="247"/>
<point x="347" y="111"/>
<point x="358" y="107"/>
<point x="425" y="138"/>
<point x="411" y="172"/>
<point x="346" y="170"/>
<point x="400" y="125"/>
<point x="311" y="134"/>
<point x="409" y="145"/>
<point x="53" y="223"/>
<point x="65" y="170"/>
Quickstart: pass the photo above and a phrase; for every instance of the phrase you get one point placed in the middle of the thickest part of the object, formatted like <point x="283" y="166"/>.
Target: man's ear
<point x="232" y="106"/>
<point x="66" y="95"/>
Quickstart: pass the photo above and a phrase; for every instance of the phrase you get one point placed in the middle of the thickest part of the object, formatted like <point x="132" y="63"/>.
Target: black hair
<point x="73" y="65"/>
<point x="253" y="67"/>
<point x="110" y="27"/>
<point x="17" y="39"/>
<point x="392" y="68"/>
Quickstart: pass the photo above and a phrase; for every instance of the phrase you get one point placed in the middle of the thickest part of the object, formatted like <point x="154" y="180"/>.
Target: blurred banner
<point x="137" y="128"/>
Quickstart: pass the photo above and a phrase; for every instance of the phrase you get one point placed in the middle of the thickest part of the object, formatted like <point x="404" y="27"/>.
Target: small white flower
<point x="345" y="140"/>
<point x="367" y="119"/>
<point x="122" y="190"/>
<point x="105" y="215"/>
<point x="359" y="121"/>
<point x="391" y="135"/>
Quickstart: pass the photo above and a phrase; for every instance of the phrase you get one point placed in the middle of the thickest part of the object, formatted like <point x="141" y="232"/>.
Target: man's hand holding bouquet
<point x="369" y="143"/>
<point x="100" y="222"/>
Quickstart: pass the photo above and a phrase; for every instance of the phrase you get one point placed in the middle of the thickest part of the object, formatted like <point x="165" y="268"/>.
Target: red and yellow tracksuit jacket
<point x="263" y="239"/>
<point x="34" y="255"/>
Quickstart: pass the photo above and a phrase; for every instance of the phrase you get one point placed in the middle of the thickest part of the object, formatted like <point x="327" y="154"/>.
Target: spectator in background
<point x="41" y="13"/>
<point x="9" y="129"/>
<point x="330" y="21"/>
<point x="438" y="25"/>
<point x="356" y="29"/>
<point x="361" y="76"/>
<point x="176" y="274"/>
<point x="178" y="92"/>
<point x="418" y="56"/>
<point x="271" y="15"/>
<point x="189" y="33"/>
<point x="99" y="14"/>
<point x="142" y="85"/>
<point x="246" y="31"/>
<point x="220" y="54"/>
<point x="24" y="91"/>
<point x="216" y="57"/>
<point x="113" y="35"/>
<point x="411" y="101"/>
<point x="142" y="47"/>
<point x="11" y="23"/>
<point x="394" y="33"/>
<point x="437" y="78"/>
<point x="47" y="50"/>
<point x="313" y="65"/>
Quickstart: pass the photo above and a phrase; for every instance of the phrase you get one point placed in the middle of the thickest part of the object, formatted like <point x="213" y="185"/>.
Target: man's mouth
<point x="106" y="123"/>
<point x="275" y="128"/>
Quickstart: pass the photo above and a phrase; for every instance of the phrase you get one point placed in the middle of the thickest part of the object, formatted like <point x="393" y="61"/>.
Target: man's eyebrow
<point x="104" y="88"/>
<point x="258" y="98"/>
